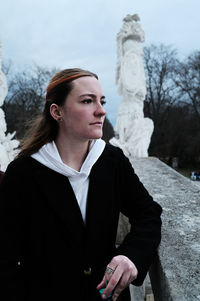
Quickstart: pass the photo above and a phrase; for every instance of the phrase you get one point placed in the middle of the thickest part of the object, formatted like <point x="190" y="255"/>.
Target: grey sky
<point x="65" y="33"/>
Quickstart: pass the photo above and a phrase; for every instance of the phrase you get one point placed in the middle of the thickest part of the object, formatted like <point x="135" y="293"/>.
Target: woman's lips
<point x="97" y="123"/>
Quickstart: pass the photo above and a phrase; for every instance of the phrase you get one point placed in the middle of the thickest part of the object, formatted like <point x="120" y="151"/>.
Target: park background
<point x="39" y="37"/>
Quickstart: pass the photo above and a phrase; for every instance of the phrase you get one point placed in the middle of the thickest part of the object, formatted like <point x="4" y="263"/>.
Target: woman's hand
<point x="120" y="272"/>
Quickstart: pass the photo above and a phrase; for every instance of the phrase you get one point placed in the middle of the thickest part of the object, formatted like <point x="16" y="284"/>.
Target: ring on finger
<point x="109" y="270"/>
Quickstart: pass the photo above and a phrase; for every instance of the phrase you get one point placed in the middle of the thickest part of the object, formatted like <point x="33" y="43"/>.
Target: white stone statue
<point x="133" y="131"/>
<point x="8" y="145"/>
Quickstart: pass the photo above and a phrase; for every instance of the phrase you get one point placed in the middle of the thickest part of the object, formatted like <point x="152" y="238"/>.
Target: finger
<point x="108" y="273"/>
<point x="122" y="284"/>
<point x="102" y="283"/>
<point x="134" y="274"/>
<point x="114" y="279"/>
<point x="125" y="281"/>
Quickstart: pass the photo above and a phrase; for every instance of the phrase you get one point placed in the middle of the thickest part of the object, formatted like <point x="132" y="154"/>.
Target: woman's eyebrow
<point x="92" y="95"/>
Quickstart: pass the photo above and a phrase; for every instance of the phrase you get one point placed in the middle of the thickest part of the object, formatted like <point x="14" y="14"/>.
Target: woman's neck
<point x="73" y="153"/>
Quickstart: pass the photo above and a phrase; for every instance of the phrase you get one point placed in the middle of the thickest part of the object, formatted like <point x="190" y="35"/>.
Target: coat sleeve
<point x="11" y="237"/>
<point x="141" y="243"/>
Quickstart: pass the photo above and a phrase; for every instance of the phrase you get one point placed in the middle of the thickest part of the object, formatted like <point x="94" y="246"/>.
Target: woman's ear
<point x="55" y="112"/>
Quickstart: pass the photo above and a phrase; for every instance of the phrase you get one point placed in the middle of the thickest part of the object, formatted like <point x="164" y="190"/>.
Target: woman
<point x="60" y="204"/>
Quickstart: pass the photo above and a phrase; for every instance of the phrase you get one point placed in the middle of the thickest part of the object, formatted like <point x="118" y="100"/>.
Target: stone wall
<point x="175" y="273"/>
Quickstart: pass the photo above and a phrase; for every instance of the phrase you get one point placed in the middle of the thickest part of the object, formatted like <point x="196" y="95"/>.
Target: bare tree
<point x="188" y="81"/>
<point x="25" y="98"/>
<point x="159" y="64"/>
<point x="173" y="102"/>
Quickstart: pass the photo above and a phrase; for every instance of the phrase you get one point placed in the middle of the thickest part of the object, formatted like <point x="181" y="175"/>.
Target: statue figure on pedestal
<point x="133" y="131"/>
<point x="7" y="144"/>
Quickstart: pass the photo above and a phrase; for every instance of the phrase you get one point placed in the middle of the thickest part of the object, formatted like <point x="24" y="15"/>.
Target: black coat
<point x="45" y="247"/>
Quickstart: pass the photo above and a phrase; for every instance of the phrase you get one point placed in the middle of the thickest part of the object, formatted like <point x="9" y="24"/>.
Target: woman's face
<point x="83" y="113"/>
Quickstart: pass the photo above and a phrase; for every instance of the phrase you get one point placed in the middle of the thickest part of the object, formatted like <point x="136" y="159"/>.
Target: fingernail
<point x="103" y="296"/>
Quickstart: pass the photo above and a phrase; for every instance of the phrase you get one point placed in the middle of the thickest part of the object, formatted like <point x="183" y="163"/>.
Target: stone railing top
<point x="179" y="252"/>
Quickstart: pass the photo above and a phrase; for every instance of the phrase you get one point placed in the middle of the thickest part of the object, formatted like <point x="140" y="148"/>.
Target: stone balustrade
<point x="175" y="274"/>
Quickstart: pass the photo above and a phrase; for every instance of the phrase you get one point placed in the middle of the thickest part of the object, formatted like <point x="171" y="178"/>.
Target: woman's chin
<point x="97" y="135"/>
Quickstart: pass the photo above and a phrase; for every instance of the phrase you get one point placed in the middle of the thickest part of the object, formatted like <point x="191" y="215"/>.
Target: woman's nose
<point x="100" y="110"/>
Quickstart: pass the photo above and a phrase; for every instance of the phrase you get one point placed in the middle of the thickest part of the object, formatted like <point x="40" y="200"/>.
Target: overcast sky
<point x="79" y="33"/>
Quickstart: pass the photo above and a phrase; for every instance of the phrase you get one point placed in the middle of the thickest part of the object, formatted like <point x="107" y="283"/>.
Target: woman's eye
<point x="87" y="100"/>
<point x="103" y="102"/>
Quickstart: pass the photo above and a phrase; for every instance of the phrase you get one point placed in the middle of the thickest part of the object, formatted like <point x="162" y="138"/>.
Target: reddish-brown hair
<point x="44" y="129"/>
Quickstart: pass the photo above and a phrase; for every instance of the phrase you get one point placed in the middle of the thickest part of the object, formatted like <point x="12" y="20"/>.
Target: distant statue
<point x="7" y="144"/>
<point x="133" y="131"/>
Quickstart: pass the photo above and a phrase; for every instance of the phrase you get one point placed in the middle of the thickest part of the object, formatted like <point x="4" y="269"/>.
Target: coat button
<point x="88" y="272"/>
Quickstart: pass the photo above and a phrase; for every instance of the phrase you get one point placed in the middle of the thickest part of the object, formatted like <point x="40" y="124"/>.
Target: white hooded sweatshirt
<point x="49" y="156"/>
